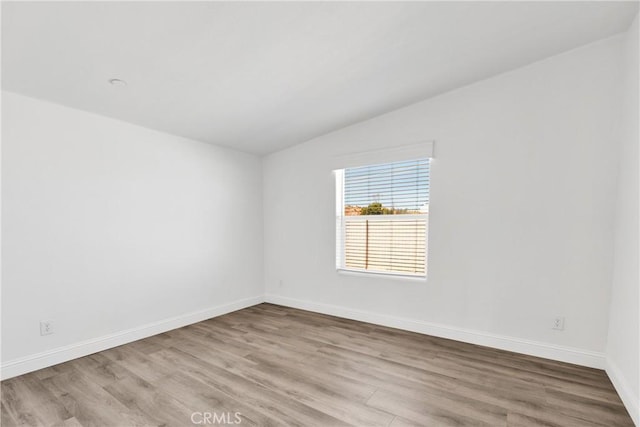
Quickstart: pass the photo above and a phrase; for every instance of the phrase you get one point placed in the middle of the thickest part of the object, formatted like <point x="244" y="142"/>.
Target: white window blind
<point x="382" y="217"/>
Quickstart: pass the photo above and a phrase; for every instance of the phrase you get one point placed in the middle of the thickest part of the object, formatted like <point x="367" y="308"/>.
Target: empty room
<point x="320" y="214"/>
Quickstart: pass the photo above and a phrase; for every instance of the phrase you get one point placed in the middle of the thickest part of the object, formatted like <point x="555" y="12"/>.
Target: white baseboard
<point x="629" y="398"/>
<point x="534" y="348"/>
<point x="592" y="359"/>
<point x="48" y="358"/>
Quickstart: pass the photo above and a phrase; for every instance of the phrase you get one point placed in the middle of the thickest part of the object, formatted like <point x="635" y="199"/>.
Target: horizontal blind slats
<point x="403" y="185"/>
<point x="396" y="241"/>
<point x="391" y="245"/>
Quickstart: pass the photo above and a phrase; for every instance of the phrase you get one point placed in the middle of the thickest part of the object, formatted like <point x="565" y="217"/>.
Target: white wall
<point x="521" y="214"/>
<point x="623" y="355"/>
<point x="110" y="227"/>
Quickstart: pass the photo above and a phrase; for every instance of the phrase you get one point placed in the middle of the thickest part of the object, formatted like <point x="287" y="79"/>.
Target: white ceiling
<point x="263" y="76"/>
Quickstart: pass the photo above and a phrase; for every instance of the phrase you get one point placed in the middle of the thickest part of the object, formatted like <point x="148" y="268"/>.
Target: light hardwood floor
<point x="281" y="366"/>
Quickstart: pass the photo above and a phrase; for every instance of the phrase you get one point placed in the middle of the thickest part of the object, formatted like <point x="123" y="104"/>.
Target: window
<point x="382" y="217"/>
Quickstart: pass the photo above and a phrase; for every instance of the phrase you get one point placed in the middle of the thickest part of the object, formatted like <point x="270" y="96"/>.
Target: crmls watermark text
<point x="224" y="418"/>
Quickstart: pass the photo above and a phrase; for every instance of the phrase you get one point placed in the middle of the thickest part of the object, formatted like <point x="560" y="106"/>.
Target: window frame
<point x="341" y="268"/>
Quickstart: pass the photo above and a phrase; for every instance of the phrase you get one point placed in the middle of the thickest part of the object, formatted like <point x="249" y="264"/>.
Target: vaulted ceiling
<point x="263" y="76"/>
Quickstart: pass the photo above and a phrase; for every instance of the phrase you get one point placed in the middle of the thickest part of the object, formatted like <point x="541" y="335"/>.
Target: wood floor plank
<point x="540" y="376"/>
<point x="547" y="418"/>
<point x="46" y="406"/>
<point x="463" y="406"/>
<point x="403" y="422"/>
<point x="89" y="403"/>
<point x="158" y="407"/>
<point x="139" y="363"/>
<point x="287" y="365"/>
<point x="269" y="402"/>
<point x="327" y="395"/>
<point x="70" y="422"/>
<point x="424" y="413"/>
<point x="307" y="373"/>
<point x="224" y="339"/>
<point x="201" y="398"/>
<point x="588" y="409"/>
<point x="6" y="417"/>
<point x="376" y="364"/>
<point x="100" y="369"/>
<point x="279" y="366"/>
<point x="29" y="402"/>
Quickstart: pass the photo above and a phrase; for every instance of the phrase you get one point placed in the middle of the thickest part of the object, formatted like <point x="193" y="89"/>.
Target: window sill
<point x="381" y="275"/>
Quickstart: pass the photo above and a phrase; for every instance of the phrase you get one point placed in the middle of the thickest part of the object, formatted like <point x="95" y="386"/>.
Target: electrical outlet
<point x="558" y="323"/>
<point x="46" y="327"/>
